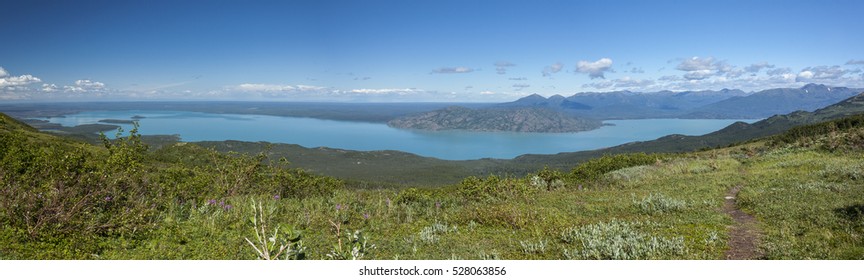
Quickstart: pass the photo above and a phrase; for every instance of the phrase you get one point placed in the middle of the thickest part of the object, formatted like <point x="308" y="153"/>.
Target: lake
<point x="453" y="145"/>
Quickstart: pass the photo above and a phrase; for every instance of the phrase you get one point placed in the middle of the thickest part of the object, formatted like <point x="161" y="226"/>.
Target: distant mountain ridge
<point x="526" y="119"/>
<point x="734" y="133"/>
<point x="720" y="104"/>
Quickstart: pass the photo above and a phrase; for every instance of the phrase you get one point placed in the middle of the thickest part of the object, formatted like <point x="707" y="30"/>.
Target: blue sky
<point x="419" y="50"/>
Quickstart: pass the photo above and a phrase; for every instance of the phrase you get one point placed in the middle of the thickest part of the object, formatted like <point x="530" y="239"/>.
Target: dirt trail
<point x="744" y="233"/>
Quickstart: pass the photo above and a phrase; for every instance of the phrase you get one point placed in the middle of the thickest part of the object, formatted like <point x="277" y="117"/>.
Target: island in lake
<point x="115" y="121"/>
<point x="496" y="119"/>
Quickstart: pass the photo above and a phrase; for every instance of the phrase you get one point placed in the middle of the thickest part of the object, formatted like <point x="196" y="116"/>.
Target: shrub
<point x="533" y="247"/>
<point x="494" y="187"/>
<point x="619" y="241"/>
<point x="593" y="169"/>
<point x="658" y="203"/>
<point x="285" y="244"/>
<point x="548" y="179"/>
<point x="430" y="233"/>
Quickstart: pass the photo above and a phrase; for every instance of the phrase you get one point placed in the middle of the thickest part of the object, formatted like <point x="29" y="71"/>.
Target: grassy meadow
<point x="63" y="199"/>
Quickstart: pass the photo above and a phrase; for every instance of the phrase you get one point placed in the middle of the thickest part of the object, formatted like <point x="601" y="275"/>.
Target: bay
<point x="362" y="136"/>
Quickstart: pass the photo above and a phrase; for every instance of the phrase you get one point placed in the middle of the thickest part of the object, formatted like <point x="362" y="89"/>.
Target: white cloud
<point x="49" y="88"/>
<point x="753" y="68"/>
<point x="397" y="91"/>
<point x="309" y="88"/>
<point x="486" y="92"/>
<point x="637" y="70"/>
<point x="699" y="68"/>
<point x="552" y="69"/>
<point x="15" y="82"/>
<point x="622" y="83"/>
<point x="699" y="74"/>
<point x="823" y="73"/>
<point x="779" y="71"/>
<point x="501" y="67"/>
<point x="594" y="69"/>
<point x="18" y="81"/>
<point x="264" y="87"/>
<point x="271" y="88"/>
<point x="803" y="75"/>
<point x="850" y="62"/>
<point x="696" y="64"/>
<point x="453" y="70"/>
<point x="86" y="85"/>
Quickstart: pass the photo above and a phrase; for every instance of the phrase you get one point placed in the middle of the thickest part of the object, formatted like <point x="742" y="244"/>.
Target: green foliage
<point x="63" y="200"/>
<point x="593" y="169"/>
<point x="617" y="240"/>
<point x="125" y="154"/>
<point x="658" y="204"/>
<point x="494" y="187"/>
<point x="548" y="179"/>
<point x="355" y="248"/>
<point x="285" y="244"/>
<point x="430" y="234"/>
<point x="804" y="132"/>
<point x="533" y="247"/>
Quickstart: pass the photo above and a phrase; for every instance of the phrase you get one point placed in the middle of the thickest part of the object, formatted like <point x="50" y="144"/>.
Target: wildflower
<point x="222" y="203"/>
<point x="276" y="197"/>
<point x="388" y="202"/>
<point x="365" y="216"/>
<point x="108" y="198"/>
<point x="211" y="202"/>
<point x="227" y="207"/>
<point x="338" y="207"/>
<point x="437" y="204"/>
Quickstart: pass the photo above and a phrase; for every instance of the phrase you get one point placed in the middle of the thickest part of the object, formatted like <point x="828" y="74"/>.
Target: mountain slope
<point x="495" y="119"/>
<point x="721" y="104"/>
<point x="626" y="104"/>
<point x="734" y="133"/>
<point x="775" y="101"/>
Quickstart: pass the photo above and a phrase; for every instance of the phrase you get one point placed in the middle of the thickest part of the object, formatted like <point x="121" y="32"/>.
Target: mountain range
<point x="720" y="104"/>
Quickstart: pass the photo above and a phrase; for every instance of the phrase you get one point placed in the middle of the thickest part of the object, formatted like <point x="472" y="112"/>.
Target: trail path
<point x="744" y="233"/>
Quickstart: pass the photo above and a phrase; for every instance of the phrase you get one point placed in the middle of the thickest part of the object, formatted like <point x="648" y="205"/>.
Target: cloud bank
<point x="594" y="69"/>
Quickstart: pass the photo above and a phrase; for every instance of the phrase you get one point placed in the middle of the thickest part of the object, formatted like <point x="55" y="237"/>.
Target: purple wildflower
<point x="108" y="198"/>
<point x="276" y="197"/>
<point x="365" y="216"/>
<point x="227" y="207"/>
<point x="338" y="207"/>
<point x="222" y="203"/>
<point x="211" y="202"/>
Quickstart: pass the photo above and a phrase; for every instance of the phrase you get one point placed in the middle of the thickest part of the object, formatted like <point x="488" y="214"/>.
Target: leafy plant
<point x="285" y="244"/>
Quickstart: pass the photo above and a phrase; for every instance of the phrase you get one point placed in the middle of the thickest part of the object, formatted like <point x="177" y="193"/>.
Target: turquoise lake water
<point x="454" y="145"/>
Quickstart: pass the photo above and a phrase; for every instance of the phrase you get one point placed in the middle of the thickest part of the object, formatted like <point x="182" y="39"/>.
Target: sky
<point x="410" y="51"/>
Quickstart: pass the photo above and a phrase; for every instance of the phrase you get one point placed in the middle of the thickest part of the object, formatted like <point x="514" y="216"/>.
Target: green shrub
<point x="658" y="204"/>
<point x="494" y="187"/>
<point x="593" y="169"/>
<point x="618" y="240"/>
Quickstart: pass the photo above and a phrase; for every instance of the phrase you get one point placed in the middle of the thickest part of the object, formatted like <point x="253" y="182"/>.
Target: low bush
<point x="593" y="169"/>
<point x="617" y="240"/>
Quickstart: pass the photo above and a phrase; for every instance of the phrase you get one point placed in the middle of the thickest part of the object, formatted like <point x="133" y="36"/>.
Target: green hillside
<point x="63" y="199"/>
<point x="495" y="119"/>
